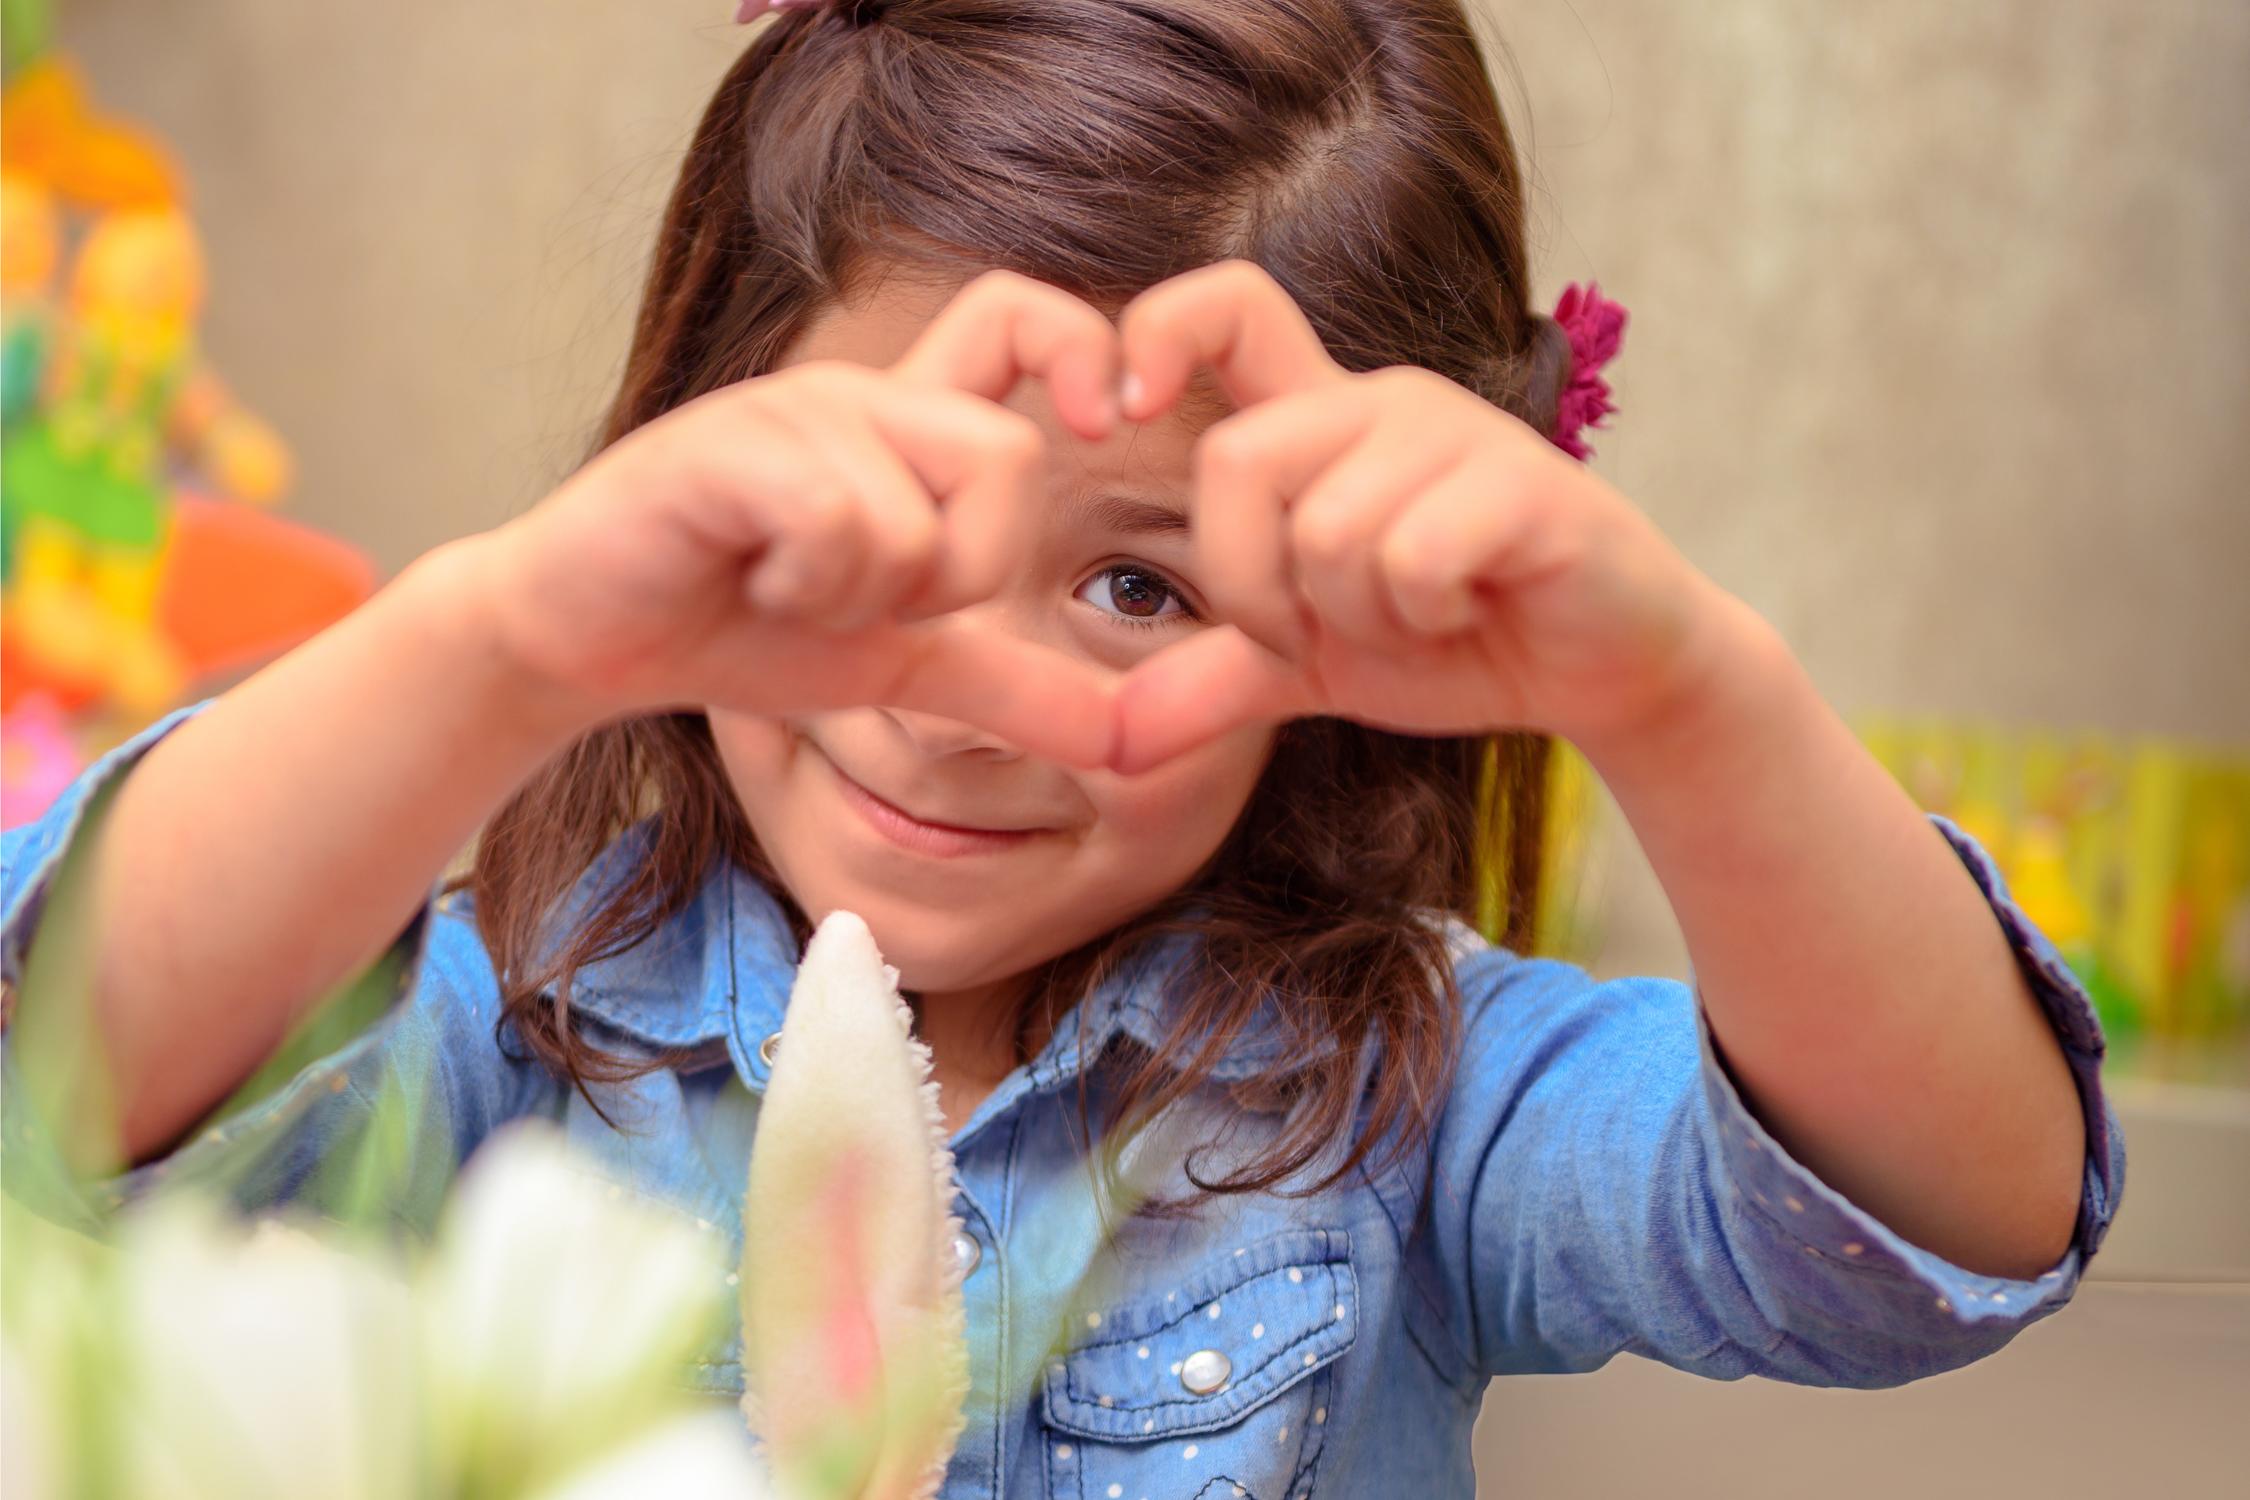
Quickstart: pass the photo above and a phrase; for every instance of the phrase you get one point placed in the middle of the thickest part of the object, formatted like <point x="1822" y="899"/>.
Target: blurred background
<point x="1939" y="356"/>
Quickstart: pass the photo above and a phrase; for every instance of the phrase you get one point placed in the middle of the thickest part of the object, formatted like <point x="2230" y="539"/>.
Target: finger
<point x="1042" y="700"/>
<point x="777" y="499"/>
<point x="899" y="520"/>
<point x="1337" y="523"/>
<point x="1038" y="698"/>
<point x="1189" y="694"/>
<point x="1002" y="327"/>
<point x="982" y="464"/>
<point x="1249" y="469"/>
<point x="1232" y="317"/>
<point x="1470" y="526"/>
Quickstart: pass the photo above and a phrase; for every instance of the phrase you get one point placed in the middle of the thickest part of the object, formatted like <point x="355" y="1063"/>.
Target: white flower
<point x="706" y="1456"/>
<point x="262" y="1364"/>
<point x="27" y="1433"/>
<point x="200" y="1359"/>
<point x="557" y="1315"/>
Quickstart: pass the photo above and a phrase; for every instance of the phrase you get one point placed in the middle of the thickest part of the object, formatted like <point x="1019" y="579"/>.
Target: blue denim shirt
<point x="1595" y="1186"/>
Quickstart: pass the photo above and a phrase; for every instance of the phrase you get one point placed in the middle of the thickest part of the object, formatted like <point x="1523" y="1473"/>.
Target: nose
<point x="935" y="735"/>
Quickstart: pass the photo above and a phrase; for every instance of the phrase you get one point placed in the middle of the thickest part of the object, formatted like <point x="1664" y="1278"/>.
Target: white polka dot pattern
<point x="1234" y="1365"/>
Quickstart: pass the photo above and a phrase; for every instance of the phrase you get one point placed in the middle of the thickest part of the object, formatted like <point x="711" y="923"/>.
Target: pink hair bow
<point x="750" y="10"/>
<point x="1596" y="327"/>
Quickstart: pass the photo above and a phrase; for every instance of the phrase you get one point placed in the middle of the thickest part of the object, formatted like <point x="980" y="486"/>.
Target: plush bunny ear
<point x="854" y="1347"/>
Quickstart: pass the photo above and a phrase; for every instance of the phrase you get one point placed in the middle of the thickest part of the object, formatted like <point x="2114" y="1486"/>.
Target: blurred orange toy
<point x="241" y="585"/>
<point x="54" y="134"/>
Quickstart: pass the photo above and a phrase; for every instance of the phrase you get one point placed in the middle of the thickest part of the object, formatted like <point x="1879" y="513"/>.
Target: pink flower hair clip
<point x="1596" y="327"/>
<point x="750" y="10"/>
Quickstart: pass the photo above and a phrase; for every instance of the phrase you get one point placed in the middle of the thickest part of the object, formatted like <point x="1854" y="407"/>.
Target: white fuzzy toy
<point x="853" y="1334"/>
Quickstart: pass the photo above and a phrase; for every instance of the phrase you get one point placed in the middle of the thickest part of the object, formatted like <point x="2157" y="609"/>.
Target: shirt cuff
<point x="28" y="876"/>
<point x="1836" y="1235"/>
<point x="303" y="1075"/>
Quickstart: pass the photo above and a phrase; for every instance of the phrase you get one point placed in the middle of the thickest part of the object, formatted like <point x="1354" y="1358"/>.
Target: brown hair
<point x="1356" y="151"/>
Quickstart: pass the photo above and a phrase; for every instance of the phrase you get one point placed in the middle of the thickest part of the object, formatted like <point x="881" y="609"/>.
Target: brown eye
<point x="1134" y="595"/>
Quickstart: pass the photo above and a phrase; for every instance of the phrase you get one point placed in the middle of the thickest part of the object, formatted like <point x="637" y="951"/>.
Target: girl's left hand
<point x="1391" y="548"/>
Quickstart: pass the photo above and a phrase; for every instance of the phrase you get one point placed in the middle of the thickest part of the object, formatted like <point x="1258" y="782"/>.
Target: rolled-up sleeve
<point x="1601" y="1188"/>
<point x="364" y="1112"/>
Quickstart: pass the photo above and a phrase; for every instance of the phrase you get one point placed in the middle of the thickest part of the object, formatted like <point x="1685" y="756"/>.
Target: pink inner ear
<point x="848" y="1326"/>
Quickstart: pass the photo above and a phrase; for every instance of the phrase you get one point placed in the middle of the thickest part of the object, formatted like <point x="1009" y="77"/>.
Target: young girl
<point x="1089" y="495"/>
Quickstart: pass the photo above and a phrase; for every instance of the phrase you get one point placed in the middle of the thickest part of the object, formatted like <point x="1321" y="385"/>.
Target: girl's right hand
<point x="796" y="541"/>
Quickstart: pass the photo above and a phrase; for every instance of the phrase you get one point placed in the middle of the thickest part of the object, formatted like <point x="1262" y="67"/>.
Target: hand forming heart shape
<point x="1391" y="548"/>
<point x="1386" y="547"/>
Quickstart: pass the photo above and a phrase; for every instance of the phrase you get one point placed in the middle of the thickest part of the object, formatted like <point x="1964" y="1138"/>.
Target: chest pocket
<point x="1219" y="1386"/>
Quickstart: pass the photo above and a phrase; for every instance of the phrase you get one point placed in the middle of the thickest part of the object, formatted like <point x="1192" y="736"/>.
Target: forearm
<point x="273" y="845"/>
<point x="1866" y="1001"/>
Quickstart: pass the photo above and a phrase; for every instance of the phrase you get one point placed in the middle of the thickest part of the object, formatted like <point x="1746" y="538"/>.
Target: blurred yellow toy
<point x="2132" y="856"/>
<point x="83" y="486"/>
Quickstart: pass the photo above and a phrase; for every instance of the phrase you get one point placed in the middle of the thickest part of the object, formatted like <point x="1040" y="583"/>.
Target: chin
<point x="921" y="941"/>
<point x="918" y="908"/>
<point x="951" y="922"/>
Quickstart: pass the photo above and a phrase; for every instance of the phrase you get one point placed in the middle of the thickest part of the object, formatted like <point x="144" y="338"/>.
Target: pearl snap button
<point x="1205" y="1371"/>
<point x="768" y="1047"/>
<point x="966" y="1253"/>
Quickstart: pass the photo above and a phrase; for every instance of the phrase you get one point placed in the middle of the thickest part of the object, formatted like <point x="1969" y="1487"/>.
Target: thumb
<point x="1036" y="697"/>
<point x="1189" y="694"/>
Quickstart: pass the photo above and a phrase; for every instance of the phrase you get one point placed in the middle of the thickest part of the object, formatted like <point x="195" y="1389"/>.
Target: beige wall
<point x="1944" y="349"/>
<point x="425" y="220"/>
<point x="1941" y="356"/>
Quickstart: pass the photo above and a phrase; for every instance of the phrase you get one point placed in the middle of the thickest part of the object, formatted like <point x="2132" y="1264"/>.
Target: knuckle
<point x="1246" y="276"/>
<point x="1014" y="439"/>
<point x="819" y="389"/>
<point x="1323" y="536"/>
<point x="819" y="372"/>
<point x="826" y="509"/>
<point x="1411" y="383"/>
<point x="911" y="539"/>
<point x="1227" y="449"/>
<point x="981" y="576"/>
<point x="999" y="284"/>
<point x="1135" y="318"/>
<point x="1404" y="378"/>
<point x="1411" y="562"/>
<point x="757" y="401"/>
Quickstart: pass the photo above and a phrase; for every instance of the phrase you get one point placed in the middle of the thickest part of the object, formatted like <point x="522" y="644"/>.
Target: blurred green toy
<point x="135" y="558"/>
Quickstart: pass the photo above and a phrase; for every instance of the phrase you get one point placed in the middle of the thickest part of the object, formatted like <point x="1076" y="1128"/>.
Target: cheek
<point x="755" y="752"/>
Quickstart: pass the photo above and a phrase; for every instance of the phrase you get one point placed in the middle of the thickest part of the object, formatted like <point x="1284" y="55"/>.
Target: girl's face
<point x="956" y="914"/>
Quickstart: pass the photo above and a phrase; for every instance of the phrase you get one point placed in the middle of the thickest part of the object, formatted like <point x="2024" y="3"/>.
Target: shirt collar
<point x="720" y="970"/>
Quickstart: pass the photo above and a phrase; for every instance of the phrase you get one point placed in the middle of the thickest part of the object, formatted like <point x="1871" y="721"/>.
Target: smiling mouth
<point x="918" y="834"/>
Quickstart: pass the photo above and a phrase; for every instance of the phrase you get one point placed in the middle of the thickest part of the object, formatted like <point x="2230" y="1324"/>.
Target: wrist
<point x="459" y="589"/>
<point x="1734" y="688"/>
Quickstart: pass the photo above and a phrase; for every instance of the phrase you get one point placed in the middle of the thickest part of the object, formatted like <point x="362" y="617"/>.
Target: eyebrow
<point x="1128" y="516"/>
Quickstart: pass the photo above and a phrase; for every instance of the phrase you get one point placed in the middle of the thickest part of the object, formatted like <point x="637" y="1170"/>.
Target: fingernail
<point x="1129" y="393"/>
